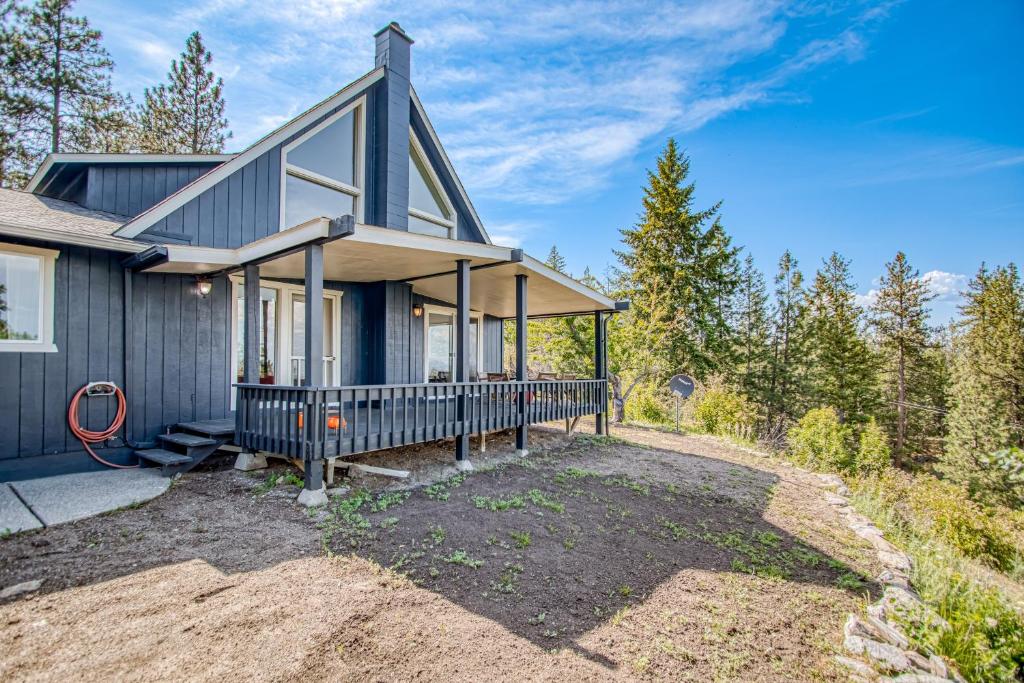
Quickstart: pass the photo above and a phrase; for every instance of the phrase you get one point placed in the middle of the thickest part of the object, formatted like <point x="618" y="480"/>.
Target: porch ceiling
<point x="372" y="254"/>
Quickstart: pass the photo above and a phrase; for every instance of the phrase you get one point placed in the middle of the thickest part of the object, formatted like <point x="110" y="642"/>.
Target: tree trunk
<point x="618" y="400"/>
<point x="901" y="408"/>
<point x="57" y="77"/>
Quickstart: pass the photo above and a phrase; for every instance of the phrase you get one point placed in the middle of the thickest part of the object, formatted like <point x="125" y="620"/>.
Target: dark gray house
<point x="330" y="290"/>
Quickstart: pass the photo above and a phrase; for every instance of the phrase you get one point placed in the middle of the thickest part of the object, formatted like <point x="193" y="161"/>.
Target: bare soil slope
<point x="667" y="558"/>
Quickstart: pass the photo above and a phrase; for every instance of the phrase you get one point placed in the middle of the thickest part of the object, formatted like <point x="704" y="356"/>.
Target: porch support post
<point x="314" y="370"/>
<point x="600" y="369"/>
<point x="313" y="490"/>
<point x="521" y="361"/>
<point x="248" y="460"/>
<point x="250" y="330"/>
<point x="462" y="360"/>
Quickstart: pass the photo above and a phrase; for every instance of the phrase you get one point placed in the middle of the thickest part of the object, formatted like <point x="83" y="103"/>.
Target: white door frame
<point x="451" y="312"/>
<point x="283" y="329"/>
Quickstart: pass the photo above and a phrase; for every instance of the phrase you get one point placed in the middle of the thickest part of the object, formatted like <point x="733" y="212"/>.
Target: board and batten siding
<point x="129" y="190"/>
<point x="179" y="346"/>
<point x="243" y="207"/>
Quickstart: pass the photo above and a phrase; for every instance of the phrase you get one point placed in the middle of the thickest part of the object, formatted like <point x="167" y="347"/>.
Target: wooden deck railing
<point x="313" y="423"/>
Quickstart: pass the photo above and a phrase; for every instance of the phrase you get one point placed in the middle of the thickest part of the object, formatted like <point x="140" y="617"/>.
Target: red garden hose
<point x="89" y="437"/>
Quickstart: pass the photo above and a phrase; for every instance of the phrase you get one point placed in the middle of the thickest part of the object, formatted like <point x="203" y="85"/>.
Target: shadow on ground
<point x="553" y="546"/>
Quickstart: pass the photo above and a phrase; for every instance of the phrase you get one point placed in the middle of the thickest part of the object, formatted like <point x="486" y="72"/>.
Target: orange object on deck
<point x="333" y="422"/>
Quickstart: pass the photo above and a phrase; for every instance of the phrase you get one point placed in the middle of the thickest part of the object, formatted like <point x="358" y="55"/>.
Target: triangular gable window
<point x="323" y="170"/>
<point x="430" y="210"/>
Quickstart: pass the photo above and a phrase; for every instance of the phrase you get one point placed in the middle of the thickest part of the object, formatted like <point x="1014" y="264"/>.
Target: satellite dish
<point x="681" y="385"/>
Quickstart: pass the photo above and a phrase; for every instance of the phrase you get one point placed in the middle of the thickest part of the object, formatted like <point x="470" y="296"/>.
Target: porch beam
<point x="600" y="367"/>
<point x="516" y="257"/>
<point x="462" y="273"/>
<point x="521" y="429"/>
<point x="314" y="371"/>
<point x="250" y="329"/>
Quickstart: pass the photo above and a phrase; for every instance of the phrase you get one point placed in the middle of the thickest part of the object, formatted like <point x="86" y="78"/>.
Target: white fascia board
<point x="550" y="273"/>
<point x="447" y="162"/>
<point x="78" y="239"/>
<point x="88" y="157"/>
<point x="399" y="238"/>
<point x="204" y="182"/>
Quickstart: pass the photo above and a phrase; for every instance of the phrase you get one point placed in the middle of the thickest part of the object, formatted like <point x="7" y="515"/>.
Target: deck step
<point x="163" y="458"/>
<point x="187" y="440"/>
<point x="211" y="428"/>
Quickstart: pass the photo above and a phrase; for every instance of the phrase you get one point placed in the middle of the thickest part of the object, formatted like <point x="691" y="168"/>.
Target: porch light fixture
<point x="417" y="310"/>
<point x="204" y="287"/>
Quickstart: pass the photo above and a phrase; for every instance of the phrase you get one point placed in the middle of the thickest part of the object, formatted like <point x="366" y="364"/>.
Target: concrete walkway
<point x="35" y="503"/>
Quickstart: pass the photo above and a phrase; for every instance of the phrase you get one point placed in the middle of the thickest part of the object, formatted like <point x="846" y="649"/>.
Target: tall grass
<point x="985" y="637"/>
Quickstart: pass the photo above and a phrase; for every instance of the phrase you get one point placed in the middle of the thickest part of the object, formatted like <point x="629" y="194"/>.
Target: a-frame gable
<point x="239" y="201"/>
<point x="470" y="227"/>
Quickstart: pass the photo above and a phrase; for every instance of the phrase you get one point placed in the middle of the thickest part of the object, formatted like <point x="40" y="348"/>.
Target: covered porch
<point x="313" y="417"/>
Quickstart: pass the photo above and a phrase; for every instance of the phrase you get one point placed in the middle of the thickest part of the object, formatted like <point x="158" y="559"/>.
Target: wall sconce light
<point x="417" y="310"/>
<point x="204" y="287"/>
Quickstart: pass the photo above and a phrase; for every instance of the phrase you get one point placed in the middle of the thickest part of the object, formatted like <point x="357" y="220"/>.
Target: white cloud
<point x="536" y="103"/>
<point x="946" y="286"/>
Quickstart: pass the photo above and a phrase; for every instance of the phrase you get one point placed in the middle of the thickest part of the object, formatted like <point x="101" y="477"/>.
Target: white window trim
<point x="359" y="170"/>
<point x="285" y="293"/>
<point x="416" y="148"/>
<point x="47" y="261"/>
<point x="448" y="310"/>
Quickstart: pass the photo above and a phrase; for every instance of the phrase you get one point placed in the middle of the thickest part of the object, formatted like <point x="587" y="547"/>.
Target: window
<point x="26" y="298"/>
<point x="323" y="171"/>
<point x="430" y="211"/>
<point x="439" y="349"/>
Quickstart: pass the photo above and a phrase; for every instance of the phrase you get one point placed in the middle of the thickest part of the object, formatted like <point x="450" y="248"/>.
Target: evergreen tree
<point x="900" y="317"/>
<point x="752" y="363"/>
<point x="68" y="69"/>
<point x="556" y="260"/>
<point x="787" y="372"/>
<point x="679" y="271"/>
<point x="17" y="108"/>
<point x="186" y="115"/>
<point x="111" y="127"/>
<point x="986" y="397"/>
<point x="845" y="369"/>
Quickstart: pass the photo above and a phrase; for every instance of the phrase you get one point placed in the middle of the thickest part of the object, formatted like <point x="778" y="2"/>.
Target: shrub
<point x="818" y="441"/>
<point x="724" y="412"/>
<point x="930" y="519"/>
<point x="873" y="456"/>
<point x="933" y="508"/>
<point x="647" y="406"/>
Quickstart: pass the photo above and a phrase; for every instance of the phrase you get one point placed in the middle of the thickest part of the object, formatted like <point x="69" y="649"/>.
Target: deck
<point x="316" y="422"/>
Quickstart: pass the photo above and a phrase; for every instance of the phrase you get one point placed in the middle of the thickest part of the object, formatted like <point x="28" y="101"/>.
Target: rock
<point x="938" y="666"/>
<point x="920" y="678"/>
<point x="20" y="589"/>
<point x="886" y="657"/>
<point x="889" y="633"/>
<point x="894" y="560"/>
<point x="337" y="491"/>
<point x="919" y="661"/>
<point x="831" y="481"/>
<point x="843" y="490"/>
<point x="890" y="578"/>
<point x="857" y="667"/>
<point x="907" y="607"/>
<point x="833" y="499"/>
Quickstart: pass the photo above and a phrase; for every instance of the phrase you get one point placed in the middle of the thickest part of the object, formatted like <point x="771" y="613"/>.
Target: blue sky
<point x="860" y="126"/>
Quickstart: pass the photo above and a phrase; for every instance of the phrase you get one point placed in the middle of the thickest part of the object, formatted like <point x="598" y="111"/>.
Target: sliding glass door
<point x="439" y="345"/>
<point x="298" y="340"/>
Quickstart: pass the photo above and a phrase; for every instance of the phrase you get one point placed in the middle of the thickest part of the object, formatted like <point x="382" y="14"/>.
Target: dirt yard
<point x="647" y="556"/>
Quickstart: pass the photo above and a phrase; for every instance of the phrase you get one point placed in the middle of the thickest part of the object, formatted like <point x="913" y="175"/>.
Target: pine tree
<point x="69" y="70"/>
<point x="17" y="108"/>
<point x="110" y="128"/>
<point x="900" y="317"/>
<point x="680" y="271"/>
<point x="787" y="373"/>
<point x="752" y="363"/>
<point x="845" y="369"/>
<point x="556" y="260"/>
<point x="186" y="115"/>
<point x="986" y="396"/>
